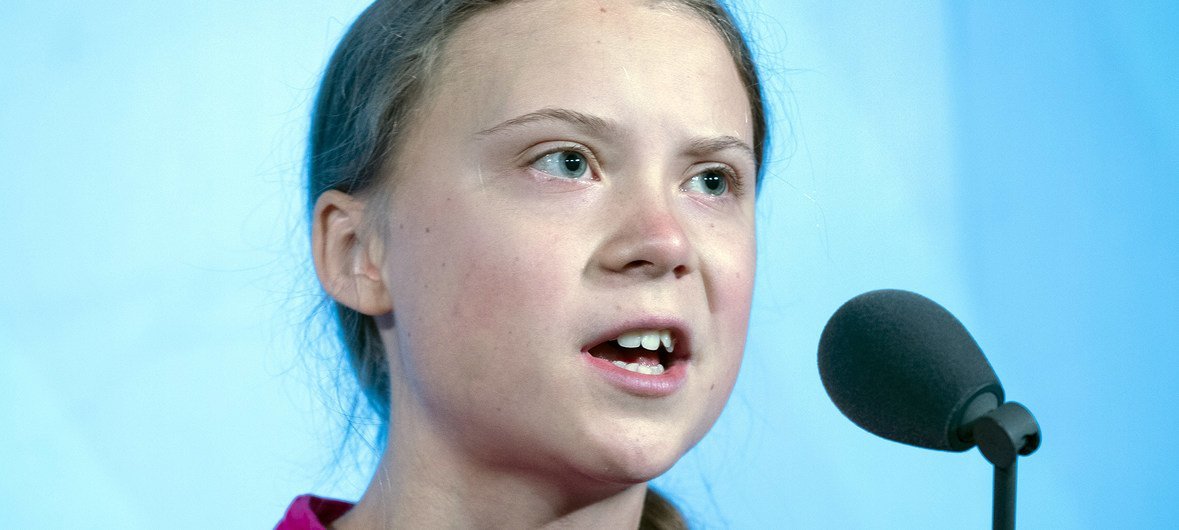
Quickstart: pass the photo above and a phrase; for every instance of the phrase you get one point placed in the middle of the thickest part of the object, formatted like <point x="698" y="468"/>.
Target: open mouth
<point x="645" y="351"/>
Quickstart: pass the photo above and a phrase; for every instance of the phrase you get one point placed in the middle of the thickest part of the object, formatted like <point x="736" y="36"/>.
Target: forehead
<point x="609" y="58"/>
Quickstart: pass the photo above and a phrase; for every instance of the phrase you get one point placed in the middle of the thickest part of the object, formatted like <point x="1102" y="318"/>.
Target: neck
<point x="442" y="488"/>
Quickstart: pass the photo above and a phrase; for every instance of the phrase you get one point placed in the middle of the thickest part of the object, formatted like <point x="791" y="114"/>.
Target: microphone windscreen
<point x="902" y="367"/>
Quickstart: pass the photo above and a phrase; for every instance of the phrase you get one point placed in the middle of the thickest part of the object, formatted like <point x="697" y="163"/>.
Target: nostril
<point x="649" y="267"/>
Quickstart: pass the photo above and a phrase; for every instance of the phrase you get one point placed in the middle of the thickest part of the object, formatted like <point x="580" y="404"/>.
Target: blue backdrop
<point x="1018" y="162"/>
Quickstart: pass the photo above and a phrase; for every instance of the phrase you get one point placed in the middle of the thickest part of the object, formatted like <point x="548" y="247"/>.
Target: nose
<point x="647" y="241"/>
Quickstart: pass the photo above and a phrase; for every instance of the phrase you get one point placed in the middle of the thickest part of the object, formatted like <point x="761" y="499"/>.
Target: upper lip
<point x="679" y="332"/>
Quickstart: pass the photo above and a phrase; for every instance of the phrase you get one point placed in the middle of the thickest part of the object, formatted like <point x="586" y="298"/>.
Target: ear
<point x="347" y="257"/>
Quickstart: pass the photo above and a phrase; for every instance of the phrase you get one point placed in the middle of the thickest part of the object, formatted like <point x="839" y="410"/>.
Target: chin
<point x="637" y="458"/>
<point x="632" y="447"/>
<point x="629" y="472"/>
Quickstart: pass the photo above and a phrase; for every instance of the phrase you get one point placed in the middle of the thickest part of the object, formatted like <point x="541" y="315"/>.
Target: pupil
<point x="573" y="162"/>
<point x="713" y="182"/>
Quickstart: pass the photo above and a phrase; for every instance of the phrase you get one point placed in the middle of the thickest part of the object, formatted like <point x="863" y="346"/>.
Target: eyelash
<point x="734" y="181"/>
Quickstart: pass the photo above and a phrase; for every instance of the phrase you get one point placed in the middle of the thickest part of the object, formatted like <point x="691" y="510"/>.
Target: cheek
<point x="473" y="280"/>
<point x="505" y="285"/>
<point x="730" y="261"/>
<point x="484" y="307"/>
<point x="732" y="295"/>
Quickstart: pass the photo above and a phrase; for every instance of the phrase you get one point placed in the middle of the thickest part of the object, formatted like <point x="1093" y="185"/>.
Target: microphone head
<point x="902" y="367"/>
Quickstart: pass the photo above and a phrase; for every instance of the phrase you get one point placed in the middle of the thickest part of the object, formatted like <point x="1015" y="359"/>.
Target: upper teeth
<point x="649" y="339"/>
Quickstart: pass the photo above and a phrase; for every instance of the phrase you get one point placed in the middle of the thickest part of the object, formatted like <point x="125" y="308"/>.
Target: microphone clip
<point x="1005" y="433"/>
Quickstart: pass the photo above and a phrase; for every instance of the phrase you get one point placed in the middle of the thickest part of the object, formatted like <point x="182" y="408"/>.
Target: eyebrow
<point x="602" y="127"/>
<point x="715" y="144"/>
<point x="587" y="123"/>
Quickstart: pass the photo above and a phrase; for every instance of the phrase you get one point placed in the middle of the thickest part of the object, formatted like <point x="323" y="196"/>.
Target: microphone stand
<point x="1002" y="435"/>
<point x="1003" y="509"/>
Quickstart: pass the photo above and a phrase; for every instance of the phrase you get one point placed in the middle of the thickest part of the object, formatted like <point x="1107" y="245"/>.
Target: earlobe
<point x="347" y="257"/>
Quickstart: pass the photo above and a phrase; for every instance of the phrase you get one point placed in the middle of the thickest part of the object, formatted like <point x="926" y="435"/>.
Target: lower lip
<point x="643" y="385"/>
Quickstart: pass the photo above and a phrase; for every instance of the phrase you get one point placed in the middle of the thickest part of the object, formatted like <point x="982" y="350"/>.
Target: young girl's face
<point x="579" y="172"/>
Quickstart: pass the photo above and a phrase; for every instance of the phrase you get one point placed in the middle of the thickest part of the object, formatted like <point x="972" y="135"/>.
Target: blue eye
<point x="712" y="182"/>
<point x="566" y="164"/>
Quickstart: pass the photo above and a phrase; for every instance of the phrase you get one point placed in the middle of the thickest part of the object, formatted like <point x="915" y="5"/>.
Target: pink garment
<point x="308" y="512"/>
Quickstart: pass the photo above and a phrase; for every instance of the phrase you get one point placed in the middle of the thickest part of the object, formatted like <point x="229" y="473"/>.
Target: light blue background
<point x="1017" y="162"/>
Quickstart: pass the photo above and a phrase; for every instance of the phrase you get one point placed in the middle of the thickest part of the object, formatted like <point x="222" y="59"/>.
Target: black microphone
<point x="902" y="367"/>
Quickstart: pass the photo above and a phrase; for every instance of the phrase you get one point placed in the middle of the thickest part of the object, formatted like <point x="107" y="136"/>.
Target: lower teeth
<point x="640" y="368"/>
